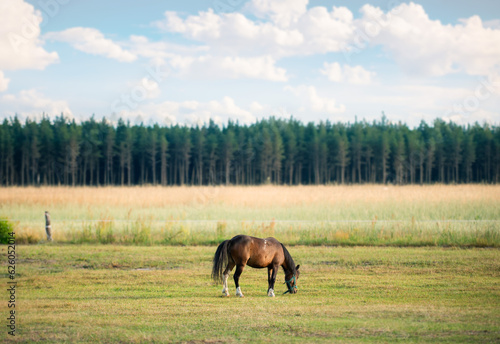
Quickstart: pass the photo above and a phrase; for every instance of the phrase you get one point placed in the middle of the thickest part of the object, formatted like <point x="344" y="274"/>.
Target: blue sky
<point x="188" y="62"/>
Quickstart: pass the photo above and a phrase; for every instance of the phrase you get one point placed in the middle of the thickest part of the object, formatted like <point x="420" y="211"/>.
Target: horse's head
<point x="291" y="280"/>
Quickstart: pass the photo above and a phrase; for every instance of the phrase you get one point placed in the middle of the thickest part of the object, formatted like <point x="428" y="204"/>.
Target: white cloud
<point x="256" y="68"/>
<point x="227" y="107"/>
<point x="314" y="31"/>
<point x="281" y="12"/>
<point x="288" y="28"/>
<point x="4" y="82"/>
<point x="146" y="88"/>
<point x="333" y="71"/>
<point x="20" y="43"/>
<point x="356" y="75"/>
<point x="164" y="113"/>
<point x="325" y="31"/>
<point x="33" y="104"/>
<point x="407" y="97"/>
<point x="492" y="83"/>
<point x="480" y="116"/>
<point x="205" y="26"/>
<point x="142" y="46"/>
<point x="227" y="67"/>
<point x="92" y="41"/>
<point x="411" y="101"/>
<point x="314" y="102"/>
<point x="255" y="107"/>
<point x="194" y="62"/>
<point x="189" y="112"/>
<point x="427" y="47"/>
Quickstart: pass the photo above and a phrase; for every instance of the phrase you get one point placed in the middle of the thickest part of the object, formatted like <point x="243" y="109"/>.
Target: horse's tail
<point x="219" y="261"/>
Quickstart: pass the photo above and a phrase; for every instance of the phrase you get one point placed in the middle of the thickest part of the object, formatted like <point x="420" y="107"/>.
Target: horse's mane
<point x="289" y="260"/>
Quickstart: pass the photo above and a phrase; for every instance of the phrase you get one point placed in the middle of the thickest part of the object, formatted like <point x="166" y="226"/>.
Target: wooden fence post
<point x="48" y="228"/>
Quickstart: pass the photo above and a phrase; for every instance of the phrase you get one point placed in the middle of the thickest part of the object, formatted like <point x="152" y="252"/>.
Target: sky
<point x="188" y="62"/>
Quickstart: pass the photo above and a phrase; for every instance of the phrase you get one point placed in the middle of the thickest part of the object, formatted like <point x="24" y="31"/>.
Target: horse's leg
<point x="237" y="273"/>
<point x="270" y="291"/>
<point x="229" y="267"/>
<point x="272" y="279"/>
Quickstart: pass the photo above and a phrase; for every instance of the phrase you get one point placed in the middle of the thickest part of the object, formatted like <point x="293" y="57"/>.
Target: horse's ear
<point x="297" y="267"/>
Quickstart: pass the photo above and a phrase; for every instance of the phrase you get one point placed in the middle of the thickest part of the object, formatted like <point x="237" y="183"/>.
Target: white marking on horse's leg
<point x="270" y="292"/>
<point x="225" y="289"/>
<point x="238" y="292"/>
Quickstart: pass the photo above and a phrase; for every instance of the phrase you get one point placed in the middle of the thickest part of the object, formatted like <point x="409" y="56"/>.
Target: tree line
<point x="274" y="151"/>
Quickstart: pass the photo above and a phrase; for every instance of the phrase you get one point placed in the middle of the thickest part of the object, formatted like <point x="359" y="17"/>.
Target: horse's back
<point x="247" y="239"/>
<point x="241" y="239"/>
<point x="255" y="252"/>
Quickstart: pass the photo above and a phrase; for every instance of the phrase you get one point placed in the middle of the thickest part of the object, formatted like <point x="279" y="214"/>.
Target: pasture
<point x="135" y="294"/>
<point x="379" y="264"/>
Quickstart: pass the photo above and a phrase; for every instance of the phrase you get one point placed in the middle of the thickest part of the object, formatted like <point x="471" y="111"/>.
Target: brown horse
<point x="258" y="253"/>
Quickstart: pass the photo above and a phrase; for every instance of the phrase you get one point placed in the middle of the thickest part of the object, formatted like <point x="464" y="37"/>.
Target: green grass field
<point x="136" y="294"/>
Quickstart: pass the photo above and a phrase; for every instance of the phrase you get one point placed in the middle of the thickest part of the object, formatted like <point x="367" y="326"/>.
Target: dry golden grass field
<point x="448" y="215"/>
